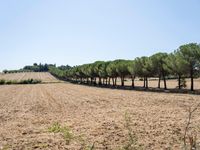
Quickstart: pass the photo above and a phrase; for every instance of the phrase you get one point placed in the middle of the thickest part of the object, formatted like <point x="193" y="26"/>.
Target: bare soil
<point x="94" y="116"/>
<point x="44" y="76"/>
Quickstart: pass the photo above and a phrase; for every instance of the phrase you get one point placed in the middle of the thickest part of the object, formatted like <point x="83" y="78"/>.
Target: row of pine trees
<point x="182" y="63"/>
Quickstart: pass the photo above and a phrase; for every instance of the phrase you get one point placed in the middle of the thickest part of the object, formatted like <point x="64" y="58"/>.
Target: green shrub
<point x="36" y="81"/>
<point x="65" y="131"/>
<point x="2" y="81"/>
<point x="8" y="82"/>
<point x="30" y="81"/>
<point x="55" y="128"/>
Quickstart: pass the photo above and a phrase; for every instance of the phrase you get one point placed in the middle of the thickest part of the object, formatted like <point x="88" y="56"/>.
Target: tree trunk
<point x="179" y="82"/>
<point x="109" y="81"/>
<point x="99" y="80"/>
<point x="103" y="81"/>
<point x="115" y="81"/>
<point x="192" y="79"/>
<point x="122" y="81"/>
<point x="165" y="84"/>
<point x="91" y="80"/>
<point x="147" y="83"/>
<point x="144" y="82"/>
<point x="106" y="81"/>
<point x="87" y="81"/>
<point x="95" y="79"/>
<point x="159" y="82"/>
<point x="133" y="84"/>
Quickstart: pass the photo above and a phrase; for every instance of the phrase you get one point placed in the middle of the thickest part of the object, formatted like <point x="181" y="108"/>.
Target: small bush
<point x="2" y="81"/>
<point x="28" y="81"/>
<point x="57" y="128"/>
<point x="36" y="81"/>
<point x="8" y="82"/>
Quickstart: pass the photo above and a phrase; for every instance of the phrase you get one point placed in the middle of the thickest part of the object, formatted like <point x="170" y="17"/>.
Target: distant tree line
<point x="183" y="62"/>
<point x="37" y="68"/>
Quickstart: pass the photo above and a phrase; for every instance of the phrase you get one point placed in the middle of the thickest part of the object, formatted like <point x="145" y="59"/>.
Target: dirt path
<point x="95" y="114"/>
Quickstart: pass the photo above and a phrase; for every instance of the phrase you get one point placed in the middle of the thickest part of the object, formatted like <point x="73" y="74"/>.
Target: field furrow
<point x="94" y="115"/>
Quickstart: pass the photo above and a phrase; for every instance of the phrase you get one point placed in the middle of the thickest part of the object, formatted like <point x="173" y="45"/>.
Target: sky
<point x="75" y="32"/>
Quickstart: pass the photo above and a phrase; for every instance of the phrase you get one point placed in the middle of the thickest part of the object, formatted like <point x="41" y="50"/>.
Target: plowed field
<point x="44" y="76"/>
<point x="94" y="116"/>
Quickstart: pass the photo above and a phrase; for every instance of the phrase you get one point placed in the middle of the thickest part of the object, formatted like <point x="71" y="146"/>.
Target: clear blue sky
<point x="82" y="31"/>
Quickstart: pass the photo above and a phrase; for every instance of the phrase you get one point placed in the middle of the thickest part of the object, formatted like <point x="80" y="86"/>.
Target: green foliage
<point x="67" y="67"/>
<point x="38" y="68"/>
<point x="61" y="74"/>
<point x="121" y="67"/>
<point x="131" y="66"/>
<point x="111" y="69"/>
<point x="65" y="131"/>
<point x="2" y="81"/>
<point x="161" y="65"/>
<point x="157" y="63"/>
<point x="191" y="54"/>
<point x="28" y="81"/>
<point x="176" y="65"/>
<point x="11" y="82"/>
<point x="142" y="67"/>
<point x="184" y="62"/>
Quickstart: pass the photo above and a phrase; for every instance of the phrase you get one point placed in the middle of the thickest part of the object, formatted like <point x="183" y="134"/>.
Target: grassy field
<point x="70" y="116"/>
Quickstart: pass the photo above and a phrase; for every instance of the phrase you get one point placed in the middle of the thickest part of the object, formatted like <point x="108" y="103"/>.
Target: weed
<point x="65" y="131"/>
<point x="193" y="136"/>
<point x="92" y="147"/>
<point x="132" y="143"/>
<point x="6" y="147"/>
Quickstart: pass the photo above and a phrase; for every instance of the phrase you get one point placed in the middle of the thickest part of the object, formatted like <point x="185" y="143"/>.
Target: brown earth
<point x="94" y="116"/>
<point x="44" y="76"/>
<point x="171" y="84"/>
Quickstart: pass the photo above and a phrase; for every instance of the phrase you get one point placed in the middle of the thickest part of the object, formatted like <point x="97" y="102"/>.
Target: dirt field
<point x="93" y="115"/>
<point x="171" y="84"/>
<point x="44" y="76"/>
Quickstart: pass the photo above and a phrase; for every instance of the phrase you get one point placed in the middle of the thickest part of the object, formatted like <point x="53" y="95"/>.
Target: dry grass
<point x="157" y="120"/>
